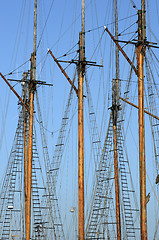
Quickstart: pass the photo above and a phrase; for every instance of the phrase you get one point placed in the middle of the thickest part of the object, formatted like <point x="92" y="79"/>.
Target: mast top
<point x="83" y="32"/>
<point x="143" y="20"/>
<point x="35" y="27"/>
<point x="34" y="41"/>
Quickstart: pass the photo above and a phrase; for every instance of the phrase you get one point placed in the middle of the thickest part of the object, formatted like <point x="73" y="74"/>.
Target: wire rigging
<point x="108" y="24"/>
<point x="45" y="25"/>
<point x="69" y="51"/>
<point x="127" y="28"/>
<point x="98" y="44"/>
<point x="132" y="37"/>
<point x="17" y="68"/>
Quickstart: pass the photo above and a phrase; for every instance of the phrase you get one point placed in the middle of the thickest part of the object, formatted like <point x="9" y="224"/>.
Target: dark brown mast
<point x="140" y="63"/>
<point x="115" y="108"/>
<point x="80" y="124"/>
<point x="32" y="88"/>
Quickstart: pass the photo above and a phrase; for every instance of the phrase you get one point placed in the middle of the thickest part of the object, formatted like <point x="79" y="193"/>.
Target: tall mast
<point x="80" y="124"/>
<point x="115" y="108"/>
<point x="32" y="88"/>
<point x="25" y="124"/>
<point x="140" y="63"/>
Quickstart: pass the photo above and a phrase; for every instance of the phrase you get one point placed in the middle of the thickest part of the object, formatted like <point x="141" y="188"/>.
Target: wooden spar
<point x="116" y="175"/>
<point x="25" y="161"/>
<point x="80" y="155"/>
<point x="132" y="104"/>
<point x="21" y="100"/>
<point x="29" y="175"/>
<point x="80" y="125"/>
<point x="140" y="63"/>
<point x="122" y="51"/>
<point x="115" y="107"/>
<point x="29" y="167"/>
<point x="117" y="55"/>
<point x="25" y="107"/>
<point x="140" y="74"/>
<point x="32" y="87"/>
<point x="63" y="71"/>
<point x="25" y="124"/>
<point x="143" y="19"/>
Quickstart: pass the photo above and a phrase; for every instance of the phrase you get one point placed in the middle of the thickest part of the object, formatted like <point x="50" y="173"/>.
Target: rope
<point x="45" y="25"/>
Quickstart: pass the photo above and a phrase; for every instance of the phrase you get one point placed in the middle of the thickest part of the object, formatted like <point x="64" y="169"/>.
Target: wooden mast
<point x="140" y="49"/>
<point x="140" y="63"/>
<point x="25" y="124"/>
<point x="80" y="124"/>
<point x="32" y="88"/>
<point x="115" y="108"/>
